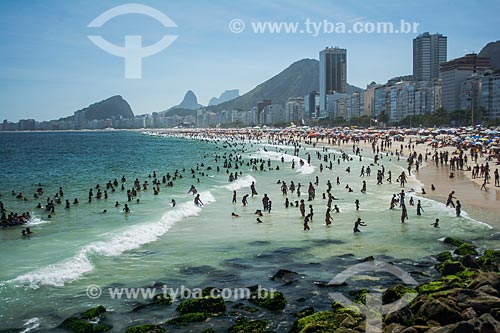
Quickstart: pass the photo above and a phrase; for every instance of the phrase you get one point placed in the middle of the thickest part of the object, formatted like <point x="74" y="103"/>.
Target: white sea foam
<point x="306" y="169"/>
<point x="241" y="182"/>
<point x="450" y="211"/>
<point x="133" y="237"/>
<point x="31" y="324"/>
<point x="36" y="221"/>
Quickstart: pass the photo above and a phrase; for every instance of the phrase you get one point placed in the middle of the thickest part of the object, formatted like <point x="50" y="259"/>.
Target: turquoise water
<point x="44" y="278"/>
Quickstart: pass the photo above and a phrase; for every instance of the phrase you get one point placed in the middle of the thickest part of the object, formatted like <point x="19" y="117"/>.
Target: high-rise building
<point x="490" y="96"/>
<point x="332" y="74"/>
<point x="429" y="51"/>
<point x="311" y="105"/>
<point x="454" y="73"/>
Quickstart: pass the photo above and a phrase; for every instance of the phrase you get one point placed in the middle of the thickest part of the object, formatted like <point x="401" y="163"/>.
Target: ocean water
<point x="44" y="278"/>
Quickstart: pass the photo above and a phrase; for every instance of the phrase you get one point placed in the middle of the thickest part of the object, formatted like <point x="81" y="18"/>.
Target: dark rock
<point x="486" y="324"/>
<point x="241" y="306"/>
<point x="469" y="262"/>
<point x="148" y="328"/>
<point x="187" y="318"/>
<point x="273" y="301"/>
<point x="443" y="256"/>
<point x="495" y="312"/>
<point x="94" y="312"/>
<point x="461" y="327"/>
<point x="209" y="305"/>
<point x="482" y="303"/>
<point x="159" y="299"/>
<point x="409" y="330"/>
<point x="369" y="258"/>
<point x="324" y="321"/>
<point x="465" y="248"/>
<point x="243" y="325"/>
<point x="453" y="241"/>
<point x="304" y="312"/>
<point x="396" y="292"/>
<point x="490" y="260"/>
<point x="468" y="313"/>
<point x="285" y="276"/>
<point x="74" y="324"/>
<point x="440" y="310"/>
<point x="486" y="278"/>
<point x="393" y="328"/>
<point x="450" y="267"/>
<point x="402" y="317"/>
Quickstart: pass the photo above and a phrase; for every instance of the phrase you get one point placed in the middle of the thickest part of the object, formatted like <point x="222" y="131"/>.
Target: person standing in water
<point x="197" y="201"/>
<point x="252" y="188"/>
<point x="458" y="208"/>
<point x="126" y="209"/>
<point x="328" y="217"/>
<point x="306" y="222"/>
<point x="302" y="208"/>
<point x="234" y="197"/>
<point x="244" y="199"/>
<point x="419" y="208"/>
<point x="436" y="224"/>
<point x="357" y="224"/>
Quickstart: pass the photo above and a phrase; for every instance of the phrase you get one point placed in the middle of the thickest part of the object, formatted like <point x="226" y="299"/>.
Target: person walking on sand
<point x="484" y="184"/>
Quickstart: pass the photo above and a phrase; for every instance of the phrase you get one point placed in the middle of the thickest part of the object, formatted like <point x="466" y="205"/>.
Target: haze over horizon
<point x="49" y="68"/>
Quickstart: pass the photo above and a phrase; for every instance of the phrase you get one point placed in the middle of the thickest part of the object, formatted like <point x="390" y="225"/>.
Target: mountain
<point x="227" y="95"/>
<point x="114" y="106"/>
<point x="299" y="79"/>
<point x="492" y="51"/>
<point x="189" y="102"/>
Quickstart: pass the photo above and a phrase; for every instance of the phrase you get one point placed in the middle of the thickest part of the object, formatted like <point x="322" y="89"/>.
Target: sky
<point x="49" y="68"/>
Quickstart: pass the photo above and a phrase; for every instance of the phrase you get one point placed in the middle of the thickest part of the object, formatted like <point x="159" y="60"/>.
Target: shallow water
<point x="44" y="278"/>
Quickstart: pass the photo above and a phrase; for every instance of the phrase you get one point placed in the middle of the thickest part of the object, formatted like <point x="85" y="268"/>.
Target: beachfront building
<point x="406" y="98"/>
<point x="295" y="110"/>
<point x="490" y="95"/>
<point x="332" y="75"/>
<point x="429" y="51"/>
<point x="369" y="99"/>
<point x="335" y="105"/>
<point x="454" y="73"/>
<point x="470" y="93"/>
<point x="311" y="106"/>
<point x="274" y="114"/>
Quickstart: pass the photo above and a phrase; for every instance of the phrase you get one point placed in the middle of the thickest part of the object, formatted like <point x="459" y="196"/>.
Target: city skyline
<point x="50" y="69"/>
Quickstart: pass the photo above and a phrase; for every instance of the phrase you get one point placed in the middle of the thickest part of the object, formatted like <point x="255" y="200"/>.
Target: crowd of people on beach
<point x="229" y="159"/>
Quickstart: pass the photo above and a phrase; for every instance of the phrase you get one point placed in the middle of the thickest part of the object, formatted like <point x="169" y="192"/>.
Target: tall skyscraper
<point x="429" y="51"/>
<point x="332" y="73"/>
